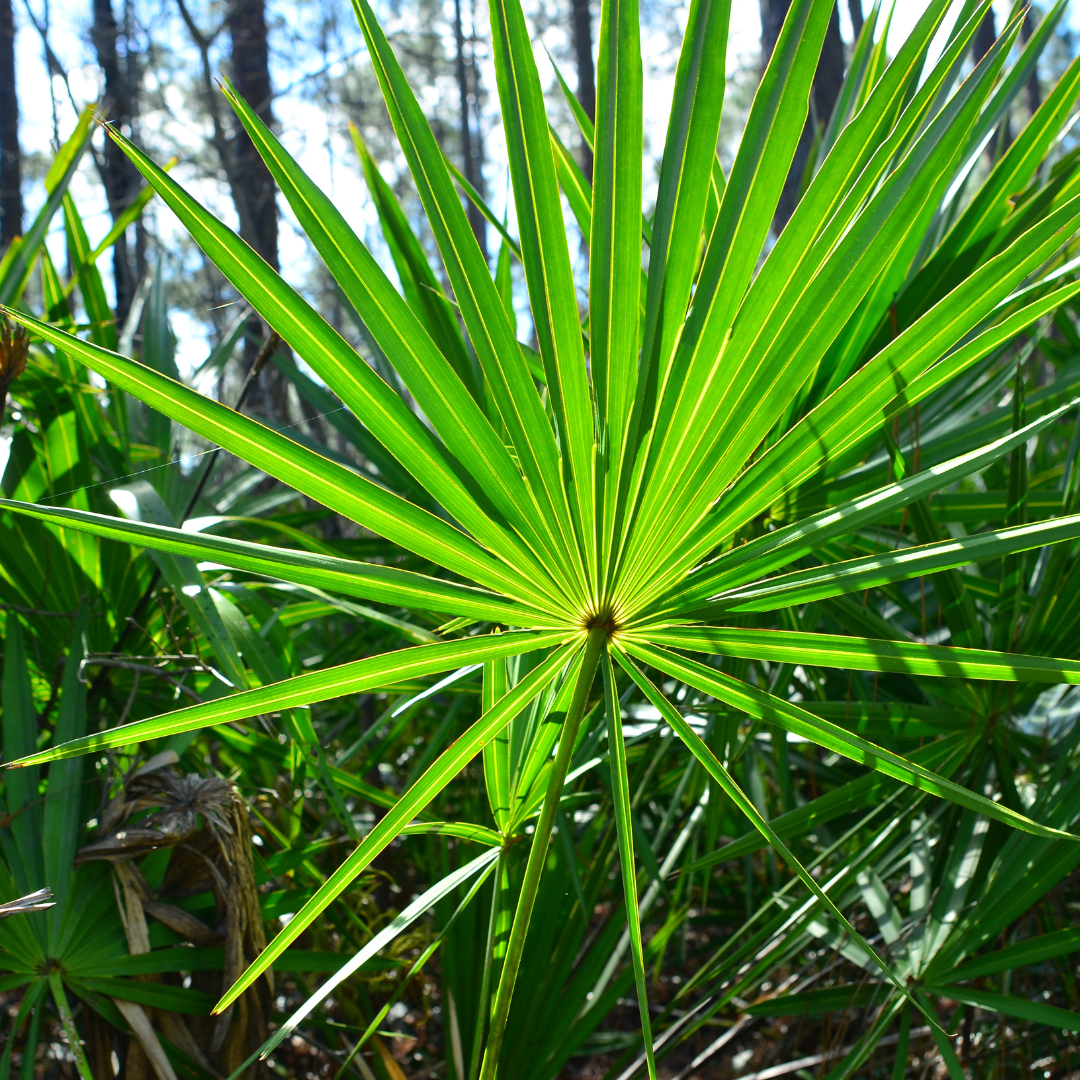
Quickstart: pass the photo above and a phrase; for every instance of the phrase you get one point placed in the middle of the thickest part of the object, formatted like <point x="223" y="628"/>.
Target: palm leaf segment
<point x="594" y="504"/>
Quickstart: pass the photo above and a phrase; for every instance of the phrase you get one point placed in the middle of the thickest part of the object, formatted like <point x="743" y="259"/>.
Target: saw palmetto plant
<point x="746" y="494"/>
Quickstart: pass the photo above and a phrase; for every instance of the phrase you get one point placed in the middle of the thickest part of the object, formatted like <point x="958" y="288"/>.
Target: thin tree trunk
<point x="828" y="79"/>
<point x="250" y="63"/>
<point x="855" y="11"/>
<point x="1034" y="91"/>
<point x="11" y="205"/>
<point x="581" y="31"/>
<point x="470" y="145"/>
<point x="122" y="180"/>
<point x="253" y="188"/>
<point x="985" y="36"/>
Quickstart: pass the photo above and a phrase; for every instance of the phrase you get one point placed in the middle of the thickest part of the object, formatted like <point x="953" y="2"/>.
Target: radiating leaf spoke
<point x="306" y="689"/>
<point x="449" y="763"/>
<point x="773" y="710"/>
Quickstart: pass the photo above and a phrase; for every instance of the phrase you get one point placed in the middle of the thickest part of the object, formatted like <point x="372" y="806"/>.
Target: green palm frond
<point x="628" y="492"/>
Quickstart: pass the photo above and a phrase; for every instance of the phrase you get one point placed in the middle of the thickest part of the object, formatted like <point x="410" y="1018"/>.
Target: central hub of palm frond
<point x="605" y="619"/>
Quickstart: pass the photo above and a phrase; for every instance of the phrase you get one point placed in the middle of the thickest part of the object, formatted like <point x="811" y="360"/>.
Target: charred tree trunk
<point x="855" y="11"/>
<point x="253" y="188"/>
<point x="250" y="63"/>
<point x="1034" y="91"/>
<point x="985" y="36"/>
<point x="121" y="179"/>
<point x="11" y="205"/>
<point x="471" y="143"/>
<point x="828" y="79"/>
<point x="581" y="30"/>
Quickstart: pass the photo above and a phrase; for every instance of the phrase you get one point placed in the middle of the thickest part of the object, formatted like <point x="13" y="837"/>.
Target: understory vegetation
<point x="675" y="677"/>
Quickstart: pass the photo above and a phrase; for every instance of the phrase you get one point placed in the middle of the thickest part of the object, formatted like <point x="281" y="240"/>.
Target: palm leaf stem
<point x="594" y="645"/>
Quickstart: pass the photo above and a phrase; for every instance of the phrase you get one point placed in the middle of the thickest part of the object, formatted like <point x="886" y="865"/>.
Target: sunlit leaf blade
<point x="741" y="380"/>
<point x="418" y="281"/>
<point x="437" y="776"/>
<point x="615" y="246"/>
<point x="983" y="217"/>
<point x="434" y="382"/>
<point x="22" y="253"/>
<point x="716" y="770"/>
<point x="452" y="410"/>
<point x="367" y="581"/>
<point x="546" y="256"/>
<point x="689" y="156"/>
<point x="774" y="710"/>
<point x="866" y="654"/>
<point x="490" y="333"/>
<point x="306" y="689"/>
<point x="855" y="575"/>
<point x="894" y="380"/>
<point x="783" y="546"/>
<point x="330" y="483"/>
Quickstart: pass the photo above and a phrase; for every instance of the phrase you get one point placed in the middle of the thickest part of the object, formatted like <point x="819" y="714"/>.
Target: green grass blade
<point x="1036" y="1012"/>
<point x="444" y="769"/>
<point x="308" y="688"/>
<point x="21" y="254"/>
<point x="620" y="794"/>
<point x="1055" y="945"/>
<point x="329" y="483"/>
<point x="773" y="710"/>
<point x="868" y="654"/>
<point x="854" y="575"/>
